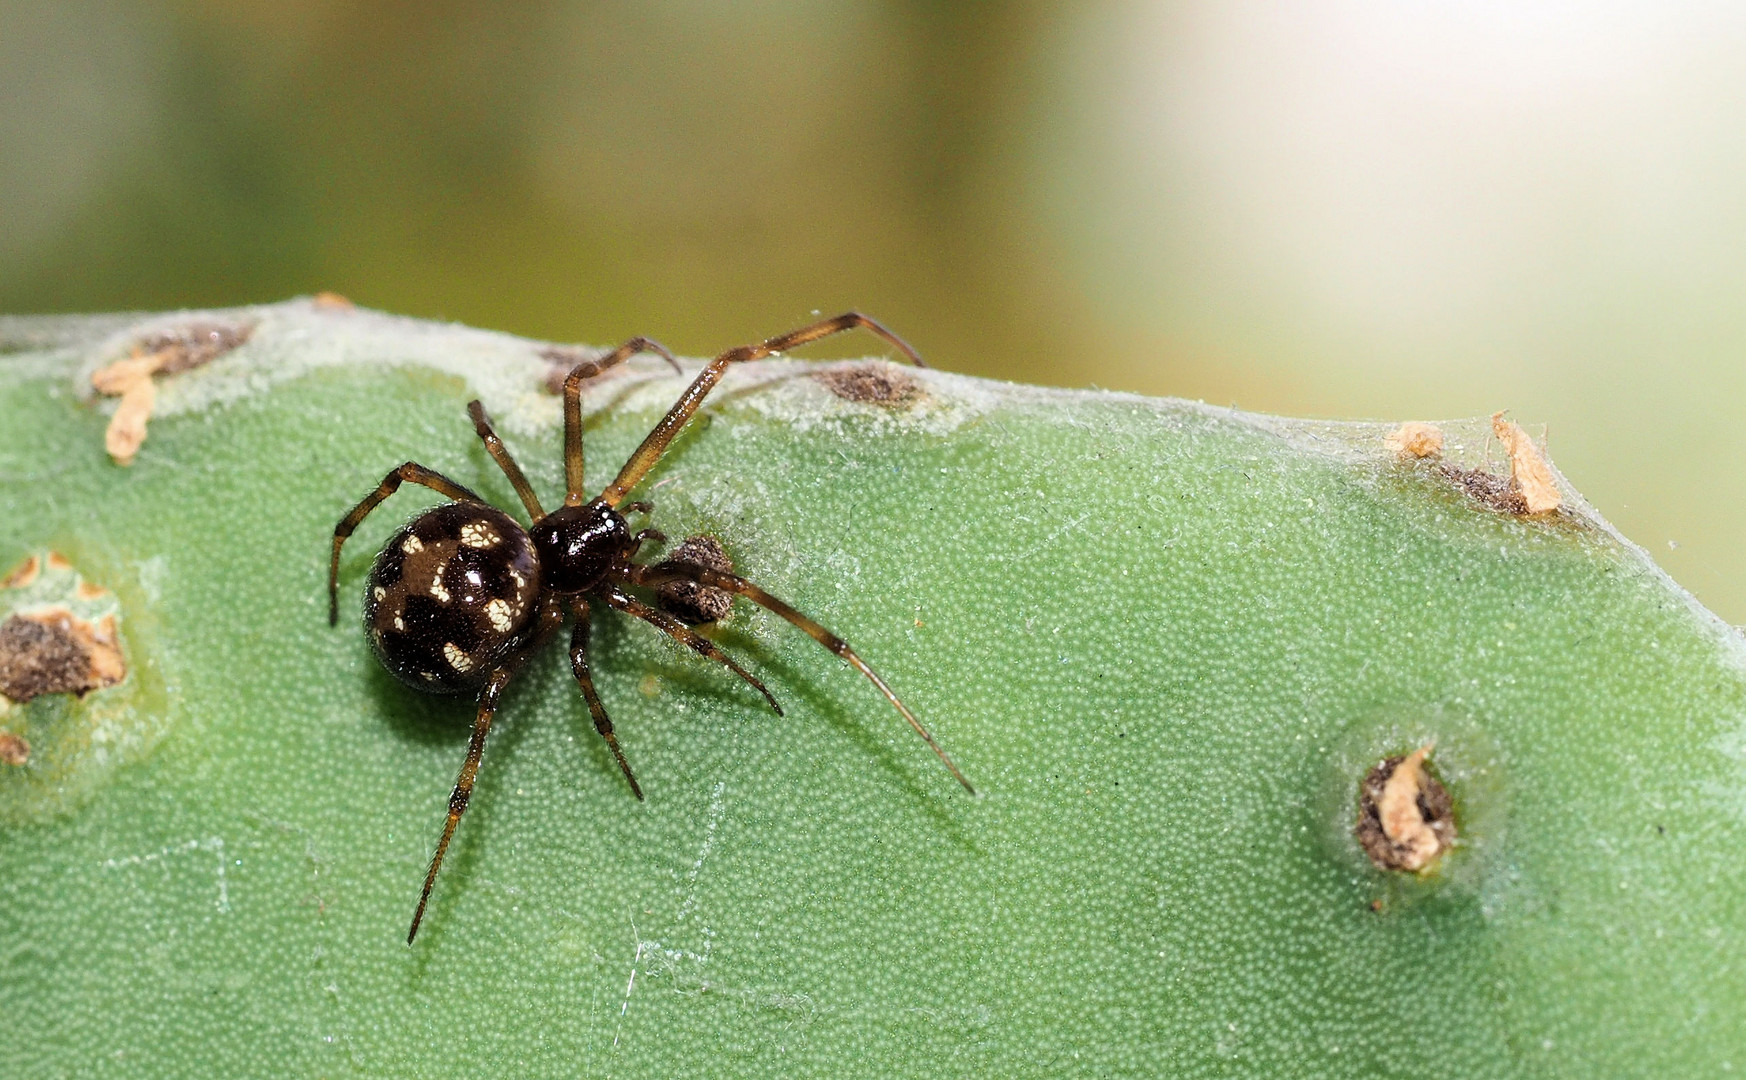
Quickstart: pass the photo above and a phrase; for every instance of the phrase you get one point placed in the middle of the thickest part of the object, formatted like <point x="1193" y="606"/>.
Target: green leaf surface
<point x="1164" y="640"/>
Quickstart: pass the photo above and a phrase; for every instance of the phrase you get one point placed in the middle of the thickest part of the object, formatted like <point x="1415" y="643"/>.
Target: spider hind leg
<point x="675" y="571"/>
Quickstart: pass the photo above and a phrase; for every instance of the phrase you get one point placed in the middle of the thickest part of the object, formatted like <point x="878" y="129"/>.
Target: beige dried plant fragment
<point x="1415" y="439"/>
<point x="1527" y="466"/>
<point x="131" y="379"/>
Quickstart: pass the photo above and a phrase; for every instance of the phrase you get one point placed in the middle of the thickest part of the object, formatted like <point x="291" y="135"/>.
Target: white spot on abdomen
<point x="436" y="587"/>
<point x="479" y="534"/>
<point x="457" y="659"/>
<point x="411" y="545"/>
<point x="498" y="612"/>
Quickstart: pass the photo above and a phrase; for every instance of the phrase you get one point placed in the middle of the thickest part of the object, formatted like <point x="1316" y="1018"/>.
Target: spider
<point x="462" y="594"/>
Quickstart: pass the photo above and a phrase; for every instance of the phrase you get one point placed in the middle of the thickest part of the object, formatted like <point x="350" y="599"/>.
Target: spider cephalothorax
<point x="579" y="545"/>
<point x="462" y="594"/>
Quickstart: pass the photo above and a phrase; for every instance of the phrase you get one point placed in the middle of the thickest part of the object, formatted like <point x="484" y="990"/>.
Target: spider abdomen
<point x="452" y="594"/>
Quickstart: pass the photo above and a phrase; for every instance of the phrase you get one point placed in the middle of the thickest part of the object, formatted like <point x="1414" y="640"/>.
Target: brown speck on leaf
<point x="1499" y="493"/>
<point x="22" y="574"/>
<point x="192" y="345"/>
<point x="156" y="354"/>
<point x="1528" y="467"/>
<point x="870" y="384"/>
<point x="687" y="600"/>
<point x="57" y="561"/>
<point x="13" y="749"/>
<point x="331" y="301"/>
<point x="55" y="652"/>
<point x="1415" y="439"/>
<point x="1405" y="817"/>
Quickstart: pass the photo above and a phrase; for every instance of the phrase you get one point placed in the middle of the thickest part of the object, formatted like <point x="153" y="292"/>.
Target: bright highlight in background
<point x="1368" y="208"/>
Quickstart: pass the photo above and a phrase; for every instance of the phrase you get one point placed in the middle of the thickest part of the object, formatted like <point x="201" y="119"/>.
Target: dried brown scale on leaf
<point x="163" y="353"/>
<point x="60" y="635"/>
<point x="38" y="657"/>
<point x="13" y="749"/>
<point x="192" y="345"/>
<point x="45" y="647"/>
<point x="870" y="384"/>
<point x="687" y="600"/>
<point x="1405" y="817"/>
<point x="56" y="652"/>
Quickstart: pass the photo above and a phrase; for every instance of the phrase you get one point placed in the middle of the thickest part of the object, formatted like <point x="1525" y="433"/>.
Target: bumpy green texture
<point x="1165" y="640"/>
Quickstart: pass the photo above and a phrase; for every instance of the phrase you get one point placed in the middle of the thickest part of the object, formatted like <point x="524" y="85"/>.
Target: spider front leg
<point x="677" y="571"/>
<point x="587" y="369"/>
<point x="412" y="471"/>
<point x="500" y="454"/>
<point x="655" y="443"/>
<point x="579" y="668"/>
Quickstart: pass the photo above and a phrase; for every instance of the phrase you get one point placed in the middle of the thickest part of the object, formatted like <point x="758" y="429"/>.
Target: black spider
<point x="462" y="594"/>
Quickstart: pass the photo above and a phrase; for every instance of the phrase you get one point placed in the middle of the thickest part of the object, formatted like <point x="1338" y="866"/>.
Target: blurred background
<point x="1346" y="208"/>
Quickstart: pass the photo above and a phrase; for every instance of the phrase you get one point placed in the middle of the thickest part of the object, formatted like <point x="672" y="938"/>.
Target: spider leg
<point x="579" y="666"/>
<point x="463" y="786"/>
<point x="587" y="369"/>
<point x="412" y="471"/>
<point x="677" y="571"/>
<point x="683" y="634"/>
<point x="500" y="454"/>
<point x="655" y="443"/>
<point x="551" y="617"/>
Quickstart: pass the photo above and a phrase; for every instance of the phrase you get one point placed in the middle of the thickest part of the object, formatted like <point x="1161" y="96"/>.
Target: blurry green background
<point x="1325" y="208"/>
